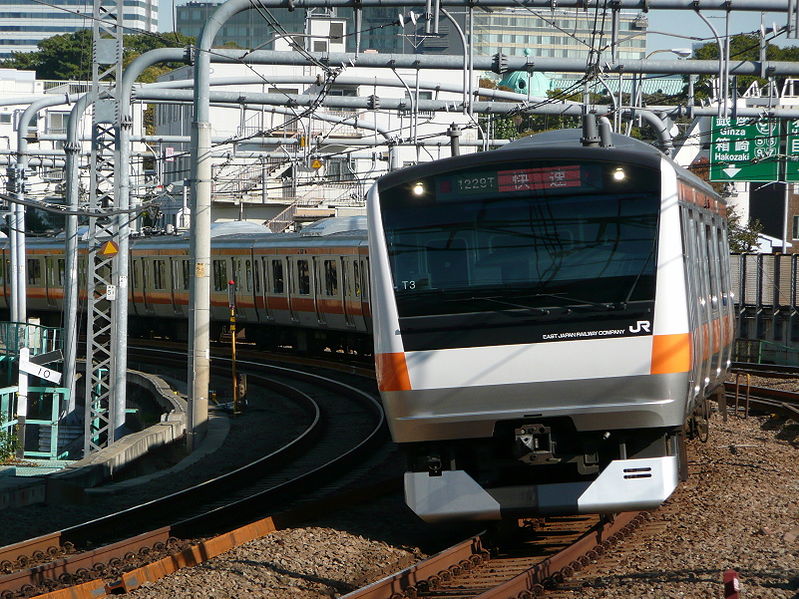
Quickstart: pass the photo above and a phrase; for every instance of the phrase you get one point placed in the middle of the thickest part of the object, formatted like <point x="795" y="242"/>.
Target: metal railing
<point x="48" y="406"/>
<point x="760" y="351"/>
<point x="38" y="339"/>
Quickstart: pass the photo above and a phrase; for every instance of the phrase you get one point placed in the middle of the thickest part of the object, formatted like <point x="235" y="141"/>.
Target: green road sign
<point x="744" y="150"/>
<point x="792" y="151"/>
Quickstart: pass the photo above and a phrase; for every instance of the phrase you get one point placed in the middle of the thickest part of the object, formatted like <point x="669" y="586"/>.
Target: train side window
<point x="704" y="275"/>
<point x="62" y="269"/>
<point x="248" y="274"/>
<point x="159" y="280"/>
<point x="331" y="277"/>
<point x="186" y="272"/>
<point x="3" y="270"/>
<point x="34" y="271"/>
<point x="49" y="273"/>
<point x="365" y="279"/>
<point x="277" y="277"/>
<point x="303" y="278"/>
<point x="136" y="273"/>
<point x="237" y="273"/>
<point x="346" y="278"/>
<point x="82" y="271"/>
<point x="174" y="274"/>
<point x="357" y="278"/>
<point x="713" y="266"/>
<point x="145" y="279"/>
<point x="220" y="275"/>
<point x="256" y="272"/>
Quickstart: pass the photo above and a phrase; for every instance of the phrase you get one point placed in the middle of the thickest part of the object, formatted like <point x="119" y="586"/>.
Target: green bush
<point x="8" y="445"/>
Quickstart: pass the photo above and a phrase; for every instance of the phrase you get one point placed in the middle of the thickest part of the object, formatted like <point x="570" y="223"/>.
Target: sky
<point x="686" y="22"/>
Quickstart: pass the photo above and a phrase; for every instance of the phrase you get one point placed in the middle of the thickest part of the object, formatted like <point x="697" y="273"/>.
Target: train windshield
<point x="532" y="237"/>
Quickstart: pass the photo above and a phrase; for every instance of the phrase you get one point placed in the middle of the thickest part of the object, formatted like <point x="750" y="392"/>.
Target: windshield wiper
<point x="581" y="303"/>
<point x="640" y="273"/>
<point x="500" y="302"/>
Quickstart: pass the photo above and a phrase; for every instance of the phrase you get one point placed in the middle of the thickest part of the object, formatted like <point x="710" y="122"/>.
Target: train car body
<point x="548" y="317"/>
<point x="308" y="291"/>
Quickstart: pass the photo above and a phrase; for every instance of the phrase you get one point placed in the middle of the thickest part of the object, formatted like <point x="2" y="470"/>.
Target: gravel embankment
<point x="738" y="510"/>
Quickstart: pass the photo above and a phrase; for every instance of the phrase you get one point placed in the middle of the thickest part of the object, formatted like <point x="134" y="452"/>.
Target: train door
<point x="346" y="291"/>
<point x="715" y="297"/>
<point x="727" y="298"/>
<point x="184" y="276"/>
<point x="50" y="282"/>
<point x="174" y="290"/>
<point x="294" y="285"/>
<point x="705" y="302"/>
<point x="258" y="292"/>
<point x="694" y="298"/>
<point x="239" y="286"/>
<point x="362" y="279"/>
<point x="146" y="285"/>
<point x="318" y="289"/>
<point x="356" y="295"/>
<point x="249" y="281"/>
<point x="268" y="287"/>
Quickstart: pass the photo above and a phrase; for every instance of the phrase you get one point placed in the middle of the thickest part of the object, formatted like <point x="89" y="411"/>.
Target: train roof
<point x="570" y="137"/>
<point x="238" y="227"/>
<point x="561" y="143"/>
<point x="336" y="224"/>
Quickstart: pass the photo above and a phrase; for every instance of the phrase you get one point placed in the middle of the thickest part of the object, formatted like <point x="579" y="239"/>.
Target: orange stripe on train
<point x="392" y="372"/>
<point x="671" y="353"/>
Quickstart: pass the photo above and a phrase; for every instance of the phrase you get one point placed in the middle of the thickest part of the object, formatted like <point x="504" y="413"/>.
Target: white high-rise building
<point x="24" y="23"/>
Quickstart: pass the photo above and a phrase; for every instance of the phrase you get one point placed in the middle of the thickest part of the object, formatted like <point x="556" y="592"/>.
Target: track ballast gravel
<point x="738" y="510"/>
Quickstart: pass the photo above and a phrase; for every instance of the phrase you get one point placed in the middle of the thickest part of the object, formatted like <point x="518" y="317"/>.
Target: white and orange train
<point x="549" y="319"/>
<point x="307" y="291"/>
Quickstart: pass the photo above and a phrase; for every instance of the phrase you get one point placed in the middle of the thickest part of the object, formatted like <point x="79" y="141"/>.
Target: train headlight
<point x="418" y="189"/>
<point x="619" y="174"/>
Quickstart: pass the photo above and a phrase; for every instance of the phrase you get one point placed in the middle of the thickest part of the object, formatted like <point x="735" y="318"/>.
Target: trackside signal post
<point x="231" y="294"/>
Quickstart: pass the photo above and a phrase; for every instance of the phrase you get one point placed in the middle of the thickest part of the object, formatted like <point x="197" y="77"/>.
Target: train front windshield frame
<point x="524" y="235"/>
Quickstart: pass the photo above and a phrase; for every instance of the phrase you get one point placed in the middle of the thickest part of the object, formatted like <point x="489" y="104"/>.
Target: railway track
<point x="343" y="425"/>
<point x="741" y="396"/>
<point x="544" y="556"/>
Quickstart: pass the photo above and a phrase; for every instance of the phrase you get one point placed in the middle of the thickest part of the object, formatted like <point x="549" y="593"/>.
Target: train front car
<point x="531" y="328"/>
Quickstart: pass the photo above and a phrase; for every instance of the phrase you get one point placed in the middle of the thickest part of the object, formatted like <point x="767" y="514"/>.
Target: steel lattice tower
<point x="101" y="333"/>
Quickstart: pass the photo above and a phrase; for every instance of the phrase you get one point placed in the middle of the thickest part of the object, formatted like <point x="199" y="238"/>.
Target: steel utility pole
<point x="103" y="415"/>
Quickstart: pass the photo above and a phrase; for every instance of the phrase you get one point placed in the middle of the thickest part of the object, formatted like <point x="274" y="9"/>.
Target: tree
<point x="69" y="56"/>
<point x="742" y="47"/>
<point x="499" y="126"/>
<point x="742" y="236"/>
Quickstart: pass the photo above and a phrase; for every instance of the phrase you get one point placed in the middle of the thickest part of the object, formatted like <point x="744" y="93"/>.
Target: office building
<point x="380" y="30"/>
<point x="24" y="23"/>
<point x="559" y="33"/>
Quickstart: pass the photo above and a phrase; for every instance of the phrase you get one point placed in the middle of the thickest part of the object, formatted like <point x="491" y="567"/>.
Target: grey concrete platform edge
<point x="78" y="479"/>
<point x="217" y="431"/>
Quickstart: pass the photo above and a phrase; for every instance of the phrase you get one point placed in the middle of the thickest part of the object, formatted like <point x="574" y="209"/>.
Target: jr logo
<point x="641" y="325"/>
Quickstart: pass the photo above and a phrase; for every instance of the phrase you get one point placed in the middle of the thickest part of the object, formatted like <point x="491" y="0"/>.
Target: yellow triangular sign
<point x="109" y="248"/>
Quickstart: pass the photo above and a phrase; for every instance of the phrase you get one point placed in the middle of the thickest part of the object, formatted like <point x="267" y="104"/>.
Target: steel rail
<point x="465" y="569"/>
<point x="74" y="567"/>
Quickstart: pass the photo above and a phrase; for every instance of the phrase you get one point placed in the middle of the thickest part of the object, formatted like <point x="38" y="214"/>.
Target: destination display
<point x="545" y="178"/>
